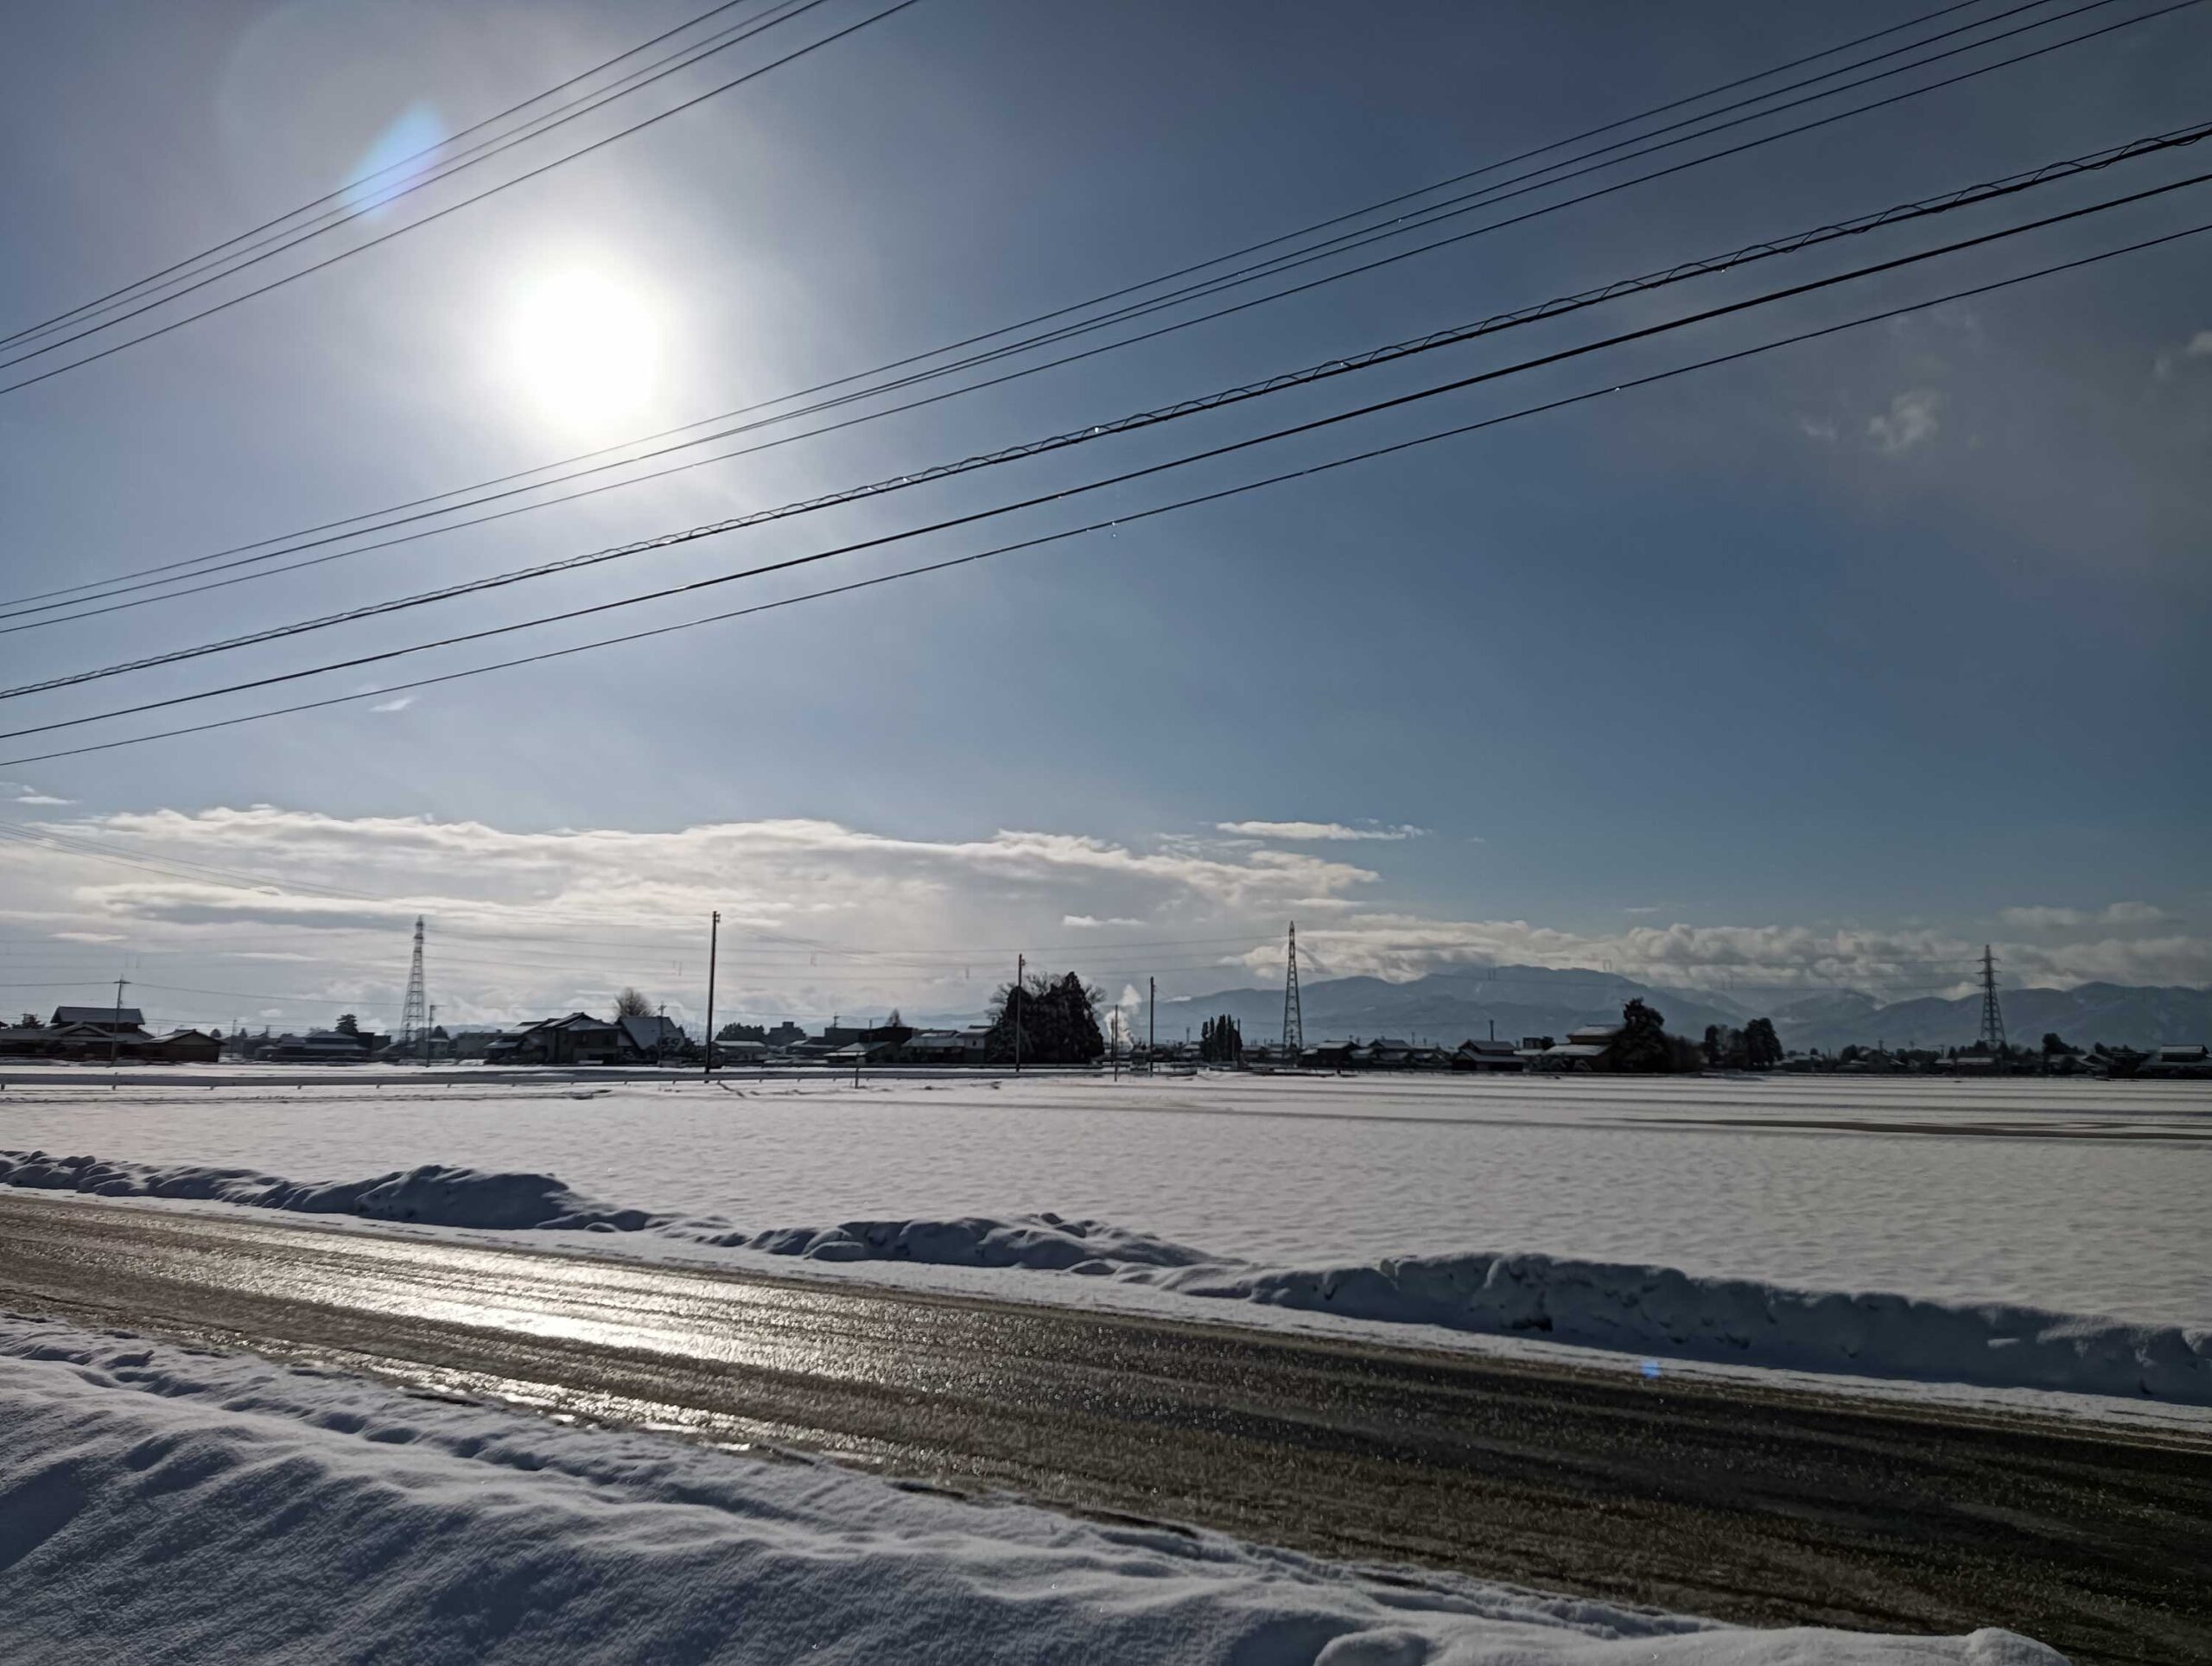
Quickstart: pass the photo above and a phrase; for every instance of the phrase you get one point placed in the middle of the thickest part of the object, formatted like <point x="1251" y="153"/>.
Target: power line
<point x="435" y="215"/>
<point x="398" y="515"/>
<point x="100" y="303"/>
<point x="1947" y="202"/>
<point x="973" y="517"/>
<point x="1119" y="520"/>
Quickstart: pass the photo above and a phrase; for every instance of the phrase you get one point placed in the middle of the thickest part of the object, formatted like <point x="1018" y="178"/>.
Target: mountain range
<point x="1449" y="1007"/>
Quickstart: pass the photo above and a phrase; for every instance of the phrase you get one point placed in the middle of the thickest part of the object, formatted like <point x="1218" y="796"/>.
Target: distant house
<point x="739" y="1053"/>
<point x="105" y="1019"/>
<point x="648" y="1040"/>
<point x="945" y="1046"/>
<point x="182" y="1047"/>
<point x="1589" y="1048"/>
<point x="786" y="1034"/>
<point x="579" y="1038"/>
<point x="2188" y="1062"/>
<point x="1488" y="1057"/>
<point x="319" y="1047"/>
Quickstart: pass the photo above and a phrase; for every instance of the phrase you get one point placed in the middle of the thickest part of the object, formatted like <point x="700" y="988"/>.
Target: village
<point x="115" y="1036"/>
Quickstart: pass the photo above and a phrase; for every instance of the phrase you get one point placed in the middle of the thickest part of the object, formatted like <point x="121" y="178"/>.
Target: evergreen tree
<point x="348" y="1025"/>
<point x="1059" y="1022"/>
<point x="1762" y="1046"/>
<point x="1640" y="1047"/>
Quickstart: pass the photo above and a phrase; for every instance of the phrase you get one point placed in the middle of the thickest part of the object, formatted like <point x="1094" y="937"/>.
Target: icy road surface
<point x="2084" y="1198"/>
<point x="121" y="1470"/>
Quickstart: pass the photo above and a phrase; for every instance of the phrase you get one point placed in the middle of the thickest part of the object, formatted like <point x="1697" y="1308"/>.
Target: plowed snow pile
<point x="1646" y="1309"/>
<point x="161" y="1505"/>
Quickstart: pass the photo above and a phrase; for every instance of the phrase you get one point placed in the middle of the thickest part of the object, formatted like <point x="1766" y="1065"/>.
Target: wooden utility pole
<point x="1021" y="967"/>
<point x="1151" y="1025"/>
<point x="115" y="1035"/>
<point x="714" y="947"/>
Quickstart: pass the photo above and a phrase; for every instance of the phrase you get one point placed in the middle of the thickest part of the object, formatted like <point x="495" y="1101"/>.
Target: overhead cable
<point x="1947" y="202"/>
<point x="1120" y="519"/>
<point x="400" y="515"/>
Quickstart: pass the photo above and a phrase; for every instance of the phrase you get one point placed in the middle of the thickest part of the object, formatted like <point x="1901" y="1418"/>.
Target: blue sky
<point x="1839" y="660"/>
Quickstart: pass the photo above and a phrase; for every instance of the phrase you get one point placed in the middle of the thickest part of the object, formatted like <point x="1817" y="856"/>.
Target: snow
<point x="2035" y="1234"/>
<point x="161" y="1505"/>
<point x="1642" y="1309"/>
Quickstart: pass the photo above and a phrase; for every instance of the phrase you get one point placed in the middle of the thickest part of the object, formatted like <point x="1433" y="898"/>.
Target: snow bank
<point x="1639" y="1309"/>
<point x="159" y="1505"/>
<point x="433" y="1194"/>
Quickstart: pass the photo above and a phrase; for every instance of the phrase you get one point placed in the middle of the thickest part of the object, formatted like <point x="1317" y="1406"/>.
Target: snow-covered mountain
<point x="1449" y="1007"/>
<point x="2119" y="1014"/>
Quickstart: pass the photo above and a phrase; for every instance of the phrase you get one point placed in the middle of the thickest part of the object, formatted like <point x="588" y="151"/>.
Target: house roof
<point x="1588" y="1033"/>
<point x="1578" y="1050"/>
<point x="124" y="1015"/>
<point x="650" y="1030"/>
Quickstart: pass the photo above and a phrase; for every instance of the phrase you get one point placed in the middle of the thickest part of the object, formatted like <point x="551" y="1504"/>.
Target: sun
<point x="584" y="345"/>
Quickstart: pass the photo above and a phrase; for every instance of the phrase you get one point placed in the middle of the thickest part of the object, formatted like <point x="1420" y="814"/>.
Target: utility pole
<point x="714" y="949"/>
<point x="1021" y="967"/>
<point x="1151" y="1025"/>
<point x="427" y="1028"/>
<point x="1113" y="1040"/>
<point x="115" y="1035"/>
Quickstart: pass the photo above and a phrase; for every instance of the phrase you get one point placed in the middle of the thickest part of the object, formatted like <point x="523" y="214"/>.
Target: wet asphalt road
<point x="1762" y="1506"/>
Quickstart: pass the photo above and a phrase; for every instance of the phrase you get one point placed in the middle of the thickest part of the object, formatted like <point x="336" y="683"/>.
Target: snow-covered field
<point x="174" y="1505"/>
<point x="2069" y="1198"/>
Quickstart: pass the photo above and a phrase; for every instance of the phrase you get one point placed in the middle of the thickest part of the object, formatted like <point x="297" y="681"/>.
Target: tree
<point x="2052" y="1045"/>
<point x="1057" y="1020"/>
<point x="1641" y="1046"/>
<point x="348" y="1025"/>
<point x="1762" y="1046"/>
<point x="631" y="1004"/>
<point x="1221" y="1041"/>
<point x="894" y="1022"/>
<point x="743" y="1032"/>
<point x="32" y="1021"/>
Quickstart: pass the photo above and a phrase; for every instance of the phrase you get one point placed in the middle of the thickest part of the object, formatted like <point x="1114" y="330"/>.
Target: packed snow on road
<point x="1946" y="1232"/>
<point x="164" y="1504"/>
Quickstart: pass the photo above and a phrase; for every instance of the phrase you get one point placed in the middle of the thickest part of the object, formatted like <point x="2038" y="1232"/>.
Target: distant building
<point x="1589" y="1048"/>
<point x="105" y="1019"/>
<point x="2186" y="1062"/>
<point x="1488" y="1056"/>
<point x="320" y="1047"/>
<point x="946" y="1047"/>
<point x="579" y="1038"/>
<point x="650" y="1039"/>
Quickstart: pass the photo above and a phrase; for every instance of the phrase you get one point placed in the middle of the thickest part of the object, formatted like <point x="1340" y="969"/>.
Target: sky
<point x="1823" y="667"/>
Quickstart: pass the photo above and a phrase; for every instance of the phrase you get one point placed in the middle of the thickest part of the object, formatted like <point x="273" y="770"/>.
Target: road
<point x="1762" y="1506"/>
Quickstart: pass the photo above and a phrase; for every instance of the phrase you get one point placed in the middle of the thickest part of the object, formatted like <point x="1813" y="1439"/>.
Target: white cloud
<point x="819" y="918"/>
<point x="401" y="704"/>
<point x="1819" y="428"/>
<point x="2040" y="917"/>
<point x="87" y="937"/>
<point x="41" y="798"/>
<point x="2037" y="918"/>
<point x="1317" y="832"/>
<point x="1910" y="419"/>
<point x="2200" y="346"/>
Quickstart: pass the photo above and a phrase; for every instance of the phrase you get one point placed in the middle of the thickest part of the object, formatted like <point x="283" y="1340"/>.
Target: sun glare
<point x="584" y="346"/>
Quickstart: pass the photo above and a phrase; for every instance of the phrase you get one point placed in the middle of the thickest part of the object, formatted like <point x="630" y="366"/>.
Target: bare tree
<point x="631" y="1004"/>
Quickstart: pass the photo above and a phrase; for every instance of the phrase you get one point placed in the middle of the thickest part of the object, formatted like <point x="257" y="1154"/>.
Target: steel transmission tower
<point x="1993" y="1015"/>
<point x="413" y="1018"/>
<point x="1294" y="1017"/>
